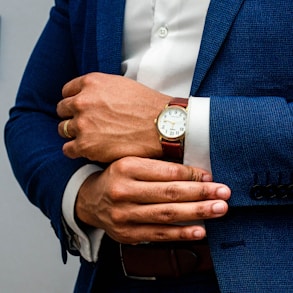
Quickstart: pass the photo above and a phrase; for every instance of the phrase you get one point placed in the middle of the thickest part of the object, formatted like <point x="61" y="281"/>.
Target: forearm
<point x="35" y="163"/>
<point x="32" y="142"/>
<point x="84" y="238"/>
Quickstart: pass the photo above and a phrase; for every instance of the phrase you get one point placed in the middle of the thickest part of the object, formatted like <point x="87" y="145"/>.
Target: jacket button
<point x="271" y="191"/>
<point x="282" y="191"/>
<point x="257" y="192"/>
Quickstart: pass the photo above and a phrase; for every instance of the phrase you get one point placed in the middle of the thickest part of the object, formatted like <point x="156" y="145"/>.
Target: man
<point x="234" y="60"/>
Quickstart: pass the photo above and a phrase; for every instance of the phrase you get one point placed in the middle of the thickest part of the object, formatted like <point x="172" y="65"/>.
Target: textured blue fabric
<point x="245" y="65"/>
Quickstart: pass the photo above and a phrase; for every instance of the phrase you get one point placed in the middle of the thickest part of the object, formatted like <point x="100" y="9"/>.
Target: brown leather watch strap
<point x="183" y="102"/>
<point x="173" y="151"/>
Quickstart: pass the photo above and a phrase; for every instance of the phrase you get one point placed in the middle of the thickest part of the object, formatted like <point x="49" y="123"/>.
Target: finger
<point x="175" y="213"/>
<point x="160" y="171"/>
<point x="173" y="192"/>
<point x="70" y="150"/>
<point x="65" y="108"/>
<point x="69" y="91"/>
<point x="135" y="234"/>
<point x="72" y="87"/>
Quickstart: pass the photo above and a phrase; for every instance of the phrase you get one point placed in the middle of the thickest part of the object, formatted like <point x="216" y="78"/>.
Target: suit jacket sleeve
<point x="252" y="148"/>
<point x="245" y="66"/>
<point x="33" y="144"/>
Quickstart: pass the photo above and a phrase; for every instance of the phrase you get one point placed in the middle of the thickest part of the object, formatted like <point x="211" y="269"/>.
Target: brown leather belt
<point x="165" y="260"/>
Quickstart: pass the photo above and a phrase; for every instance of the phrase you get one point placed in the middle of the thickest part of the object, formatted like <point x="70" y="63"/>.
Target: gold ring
<point x="65" y="129"/>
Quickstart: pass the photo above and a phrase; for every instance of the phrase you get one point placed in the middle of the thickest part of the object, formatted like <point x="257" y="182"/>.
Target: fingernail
<point x="218" y="208"/>
<point x="198" y="234"/>
<point x="222" y="192"/>
<point x="207" y="178"/>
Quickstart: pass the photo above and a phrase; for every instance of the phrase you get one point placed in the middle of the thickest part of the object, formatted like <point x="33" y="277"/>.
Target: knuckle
<point x="117" y="192"/>
<point x="82" y="146"/>
<point x="67" y="151"/>
<point x="122" y="166"/>
<point x="203" y="193"/>
<point x="80" y="124"/>
<point x="88" y="79"/>
<point x="194" y="175"/>
<point x="161" y="236"/>
<point x="201" y="212"/>
<point x="167" y="215"/>
<point x="184" y="234"/>
<point x="78" y="103"/>
<point x="174" y="171"/>
<point x="172" y="193"/>
<point x="117" y="216"/>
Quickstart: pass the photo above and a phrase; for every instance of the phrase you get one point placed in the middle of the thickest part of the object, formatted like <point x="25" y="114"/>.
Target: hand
<point x="137" y="199"/>
<point x="110" y="117"/>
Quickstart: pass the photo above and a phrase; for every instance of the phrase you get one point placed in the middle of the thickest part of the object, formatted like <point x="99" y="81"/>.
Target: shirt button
<point x="163" y="32"/>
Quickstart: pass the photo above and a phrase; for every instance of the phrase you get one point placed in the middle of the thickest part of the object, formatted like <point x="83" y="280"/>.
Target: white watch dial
<point x="171" y="122"/>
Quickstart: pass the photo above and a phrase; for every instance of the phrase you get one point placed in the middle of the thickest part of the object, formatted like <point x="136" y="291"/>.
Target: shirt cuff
<point x="87" y="242"/>
<point x="197" y="136"/>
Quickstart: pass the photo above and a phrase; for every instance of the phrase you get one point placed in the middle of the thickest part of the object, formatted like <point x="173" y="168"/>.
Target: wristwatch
<point x="171" y="124"/>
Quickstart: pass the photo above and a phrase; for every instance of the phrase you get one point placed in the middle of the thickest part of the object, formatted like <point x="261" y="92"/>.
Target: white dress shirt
<point x="160" y="49"/>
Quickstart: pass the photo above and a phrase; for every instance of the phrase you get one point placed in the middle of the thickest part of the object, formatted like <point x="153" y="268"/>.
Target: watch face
<point x="171" y="123"/>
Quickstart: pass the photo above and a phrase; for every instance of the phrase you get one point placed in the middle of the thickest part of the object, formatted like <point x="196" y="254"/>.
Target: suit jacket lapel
<point x="219" y="19"/>
<point x="110" y="17"/>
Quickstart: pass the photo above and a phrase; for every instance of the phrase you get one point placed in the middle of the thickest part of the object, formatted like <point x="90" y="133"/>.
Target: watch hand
<point x="170" y="122"/>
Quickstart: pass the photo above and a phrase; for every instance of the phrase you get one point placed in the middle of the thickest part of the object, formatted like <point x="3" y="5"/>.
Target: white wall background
<point x="30" y="258"/>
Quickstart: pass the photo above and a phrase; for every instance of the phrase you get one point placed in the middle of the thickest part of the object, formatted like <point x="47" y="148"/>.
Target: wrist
<point x="84" y="202"/>
<point x="171" y="125"/>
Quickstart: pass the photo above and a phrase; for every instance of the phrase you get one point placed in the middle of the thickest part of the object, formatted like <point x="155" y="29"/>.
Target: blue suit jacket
<point x="245" y="65"/>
